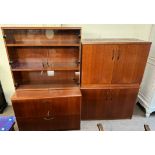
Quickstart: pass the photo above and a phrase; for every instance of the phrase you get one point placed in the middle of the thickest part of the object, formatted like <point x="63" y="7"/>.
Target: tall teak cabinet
<point x="60" y="82"/>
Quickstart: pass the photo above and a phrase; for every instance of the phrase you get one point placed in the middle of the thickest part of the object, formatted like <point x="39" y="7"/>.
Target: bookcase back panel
<point x="27" y="36"/>
<point x="28" y="54"/>
<point x="63" y="54"/>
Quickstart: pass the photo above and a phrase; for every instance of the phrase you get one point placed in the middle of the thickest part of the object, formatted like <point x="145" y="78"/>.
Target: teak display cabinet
<point x="45" y="65"/>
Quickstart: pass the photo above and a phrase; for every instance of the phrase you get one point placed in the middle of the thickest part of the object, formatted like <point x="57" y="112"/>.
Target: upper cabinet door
<point x="97" y="63"/>
<point x="130" y="63"/>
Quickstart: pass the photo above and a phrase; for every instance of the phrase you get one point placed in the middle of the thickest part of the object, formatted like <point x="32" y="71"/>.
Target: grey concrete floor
<point x="135" y="124"/>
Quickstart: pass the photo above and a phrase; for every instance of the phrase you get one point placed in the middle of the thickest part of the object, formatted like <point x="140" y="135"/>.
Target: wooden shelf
<point x="38" y="67"/>
<point x="42" y="28"/>
<point x="43" y="86"/>
<point x="46" y="45"/>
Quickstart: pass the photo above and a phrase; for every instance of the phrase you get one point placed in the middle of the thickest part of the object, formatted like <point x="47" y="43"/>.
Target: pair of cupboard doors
<point x="108" y="103"/>
<point x="113" y="63"/>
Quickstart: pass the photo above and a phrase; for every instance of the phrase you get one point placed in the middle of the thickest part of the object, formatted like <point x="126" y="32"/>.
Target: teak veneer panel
<point x="97" y="64"/>
<point x="130" y="63"/>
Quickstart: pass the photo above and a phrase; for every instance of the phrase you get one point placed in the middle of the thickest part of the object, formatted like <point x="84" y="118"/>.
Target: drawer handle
<point x="48" y="118"/>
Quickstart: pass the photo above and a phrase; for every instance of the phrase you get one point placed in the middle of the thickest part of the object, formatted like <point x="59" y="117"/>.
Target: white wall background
<point x="140" y="31"/>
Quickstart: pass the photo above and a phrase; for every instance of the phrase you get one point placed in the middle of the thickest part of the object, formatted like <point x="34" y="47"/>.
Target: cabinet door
<point x="122" y="102"/>
<point x="97" y="64"/>
<point x="94" y="103"/>
<point x="108" y="103"/>
<point x="130" y="63"/>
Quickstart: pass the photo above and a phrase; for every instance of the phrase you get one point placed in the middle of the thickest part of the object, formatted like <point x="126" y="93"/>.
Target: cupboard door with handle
<point x="130" y="63"/>
<point x="122" y="102"/>
<point x="97" y="63"/>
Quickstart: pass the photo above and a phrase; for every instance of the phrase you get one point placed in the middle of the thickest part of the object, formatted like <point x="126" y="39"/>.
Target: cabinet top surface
<point x="59" y="28"/>
<point x="113" y="41"/>
<point x="42" y="94"/>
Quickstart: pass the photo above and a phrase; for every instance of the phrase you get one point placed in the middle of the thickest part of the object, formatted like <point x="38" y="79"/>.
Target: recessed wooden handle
<point x="118" y="55"/>
<point x="48" y="116"/>
<point x="113" y="54"/>
<point x="48" y="65"/>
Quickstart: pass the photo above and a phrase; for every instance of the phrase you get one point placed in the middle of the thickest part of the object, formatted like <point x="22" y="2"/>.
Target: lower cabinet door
<point x="48" y="124"/>
<point x="108" y="103"/>
<point x="122" y="102"/>
<point x="94" y="104"/>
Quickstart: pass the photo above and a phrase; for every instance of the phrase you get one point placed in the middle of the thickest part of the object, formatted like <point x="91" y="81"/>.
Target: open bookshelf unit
<point x="44" y="58"/>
